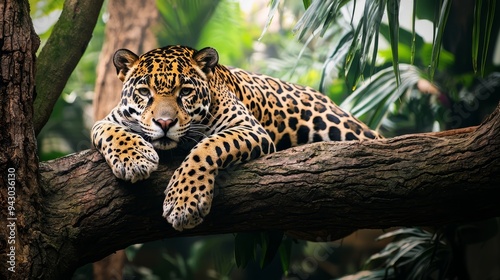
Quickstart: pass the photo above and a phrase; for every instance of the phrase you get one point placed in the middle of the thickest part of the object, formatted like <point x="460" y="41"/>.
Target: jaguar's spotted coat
<point x="175" y="94"/>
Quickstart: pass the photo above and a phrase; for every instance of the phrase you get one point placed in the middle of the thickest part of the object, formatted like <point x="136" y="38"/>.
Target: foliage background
<point x="336" y="54"/>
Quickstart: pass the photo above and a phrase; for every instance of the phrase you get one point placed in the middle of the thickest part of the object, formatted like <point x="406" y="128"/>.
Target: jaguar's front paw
<point x="132" y="160"/>
<point x="185" y="205"/>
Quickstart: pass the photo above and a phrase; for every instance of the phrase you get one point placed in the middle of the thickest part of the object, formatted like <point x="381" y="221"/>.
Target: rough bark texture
<point x="129" y="27"/>
<point x="19" y="191"/>
<point x="61" y="54"/>
<point x="318" y="192"/>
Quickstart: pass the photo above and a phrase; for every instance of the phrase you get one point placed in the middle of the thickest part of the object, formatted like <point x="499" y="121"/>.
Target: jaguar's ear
<point x="206" y="59"/>
<point x="123" y="60"/>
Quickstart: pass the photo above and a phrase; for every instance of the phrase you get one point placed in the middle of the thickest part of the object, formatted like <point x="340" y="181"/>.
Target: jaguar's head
<point x="166" y="91"/>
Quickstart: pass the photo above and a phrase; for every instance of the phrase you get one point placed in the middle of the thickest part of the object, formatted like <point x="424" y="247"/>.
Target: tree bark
<point x="130" y="27"/>
<point x="19" y="193"/>
<point x="320" y="192"/>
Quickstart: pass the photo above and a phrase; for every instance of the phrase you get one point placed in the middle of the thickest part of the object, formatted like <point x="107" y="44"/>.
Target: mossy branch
<point x="61" y="54"/>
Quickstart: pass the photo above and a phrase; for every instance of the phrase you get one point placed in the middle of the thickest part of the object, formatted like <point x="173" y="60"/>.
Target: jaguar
<point x="176" y="94"/>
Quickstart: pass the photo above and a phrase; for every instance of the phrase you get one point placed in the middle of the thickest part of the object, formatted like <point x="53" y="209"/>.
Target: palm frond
<point x="393" y="18"/>
<point x="337" y="56"/>
<point x="272" y="11"/>
<point x="486" y="38"/>
<point x="372" y="101"/>
<point x="438" y="38"/>
<point x="476" y="32"/>
<point x="182" y="21"/>
<point x="226" y="25"/>
<point x="413" y="254"/>
<point x="319" y="16"/>
<point x="413" y="33"/>
<point x="363" y="47"/>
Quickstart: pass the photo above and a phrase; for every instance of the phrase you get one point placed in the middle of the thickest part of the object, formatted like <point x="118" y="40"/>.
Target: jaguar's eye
<point x="185" y="91"/>
<point x="143" y="91"/>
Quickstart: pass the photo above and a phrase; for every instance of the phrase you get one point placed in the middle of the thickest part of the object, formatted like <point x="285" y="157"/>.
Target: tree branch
<point x="320" y="192"/>
<point x="61" y="54"/>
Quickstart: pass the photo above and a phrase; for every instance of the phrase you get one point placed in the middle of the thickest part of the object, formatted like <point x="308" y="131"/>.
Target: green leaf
<point x="274" y="7"/>
<point x="40" y="8"/>
<point x="426" y="9"/>
<point x="405" y="232"/>
<point x="131" y="251"/>
<point x="407" y="40"/>
<point x="413" y="33"/>
<point x="244" y="248"/>
<point x="437" y="41"/>
<point x="369" y="23"/>
<point x="339" y="54"/>
<point x="307" y="3"/>
<point x="285" y="251"/>
<point x="479" y="11"/>
<point x="245" y="245"/>
<point x="446" y="58"/>
<point x="393" y="18"/>
<point x="364" y="43"/>
<point x="270" y="243"/>
<point x="412" y="254"/>
<point x="372" y="101"/>
<point x="227" y="25"/>
<point x="489" y="26"/>
<point x="476" y="33"/>
<point x="320" y="14"/>
<point x="353" y="70"/>
<point x="182" y="22"/>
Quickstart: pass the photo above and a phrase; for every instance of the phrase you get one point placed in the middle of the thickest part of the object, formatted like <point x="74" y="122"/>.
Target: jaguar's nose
<point x="165" y="124"/>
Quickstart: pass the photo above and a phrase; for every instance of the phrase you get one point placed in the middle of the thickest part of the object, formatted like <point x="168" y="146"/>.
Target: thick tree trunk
<point x="19" y="193"/>
<point x="319" y="192"/>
